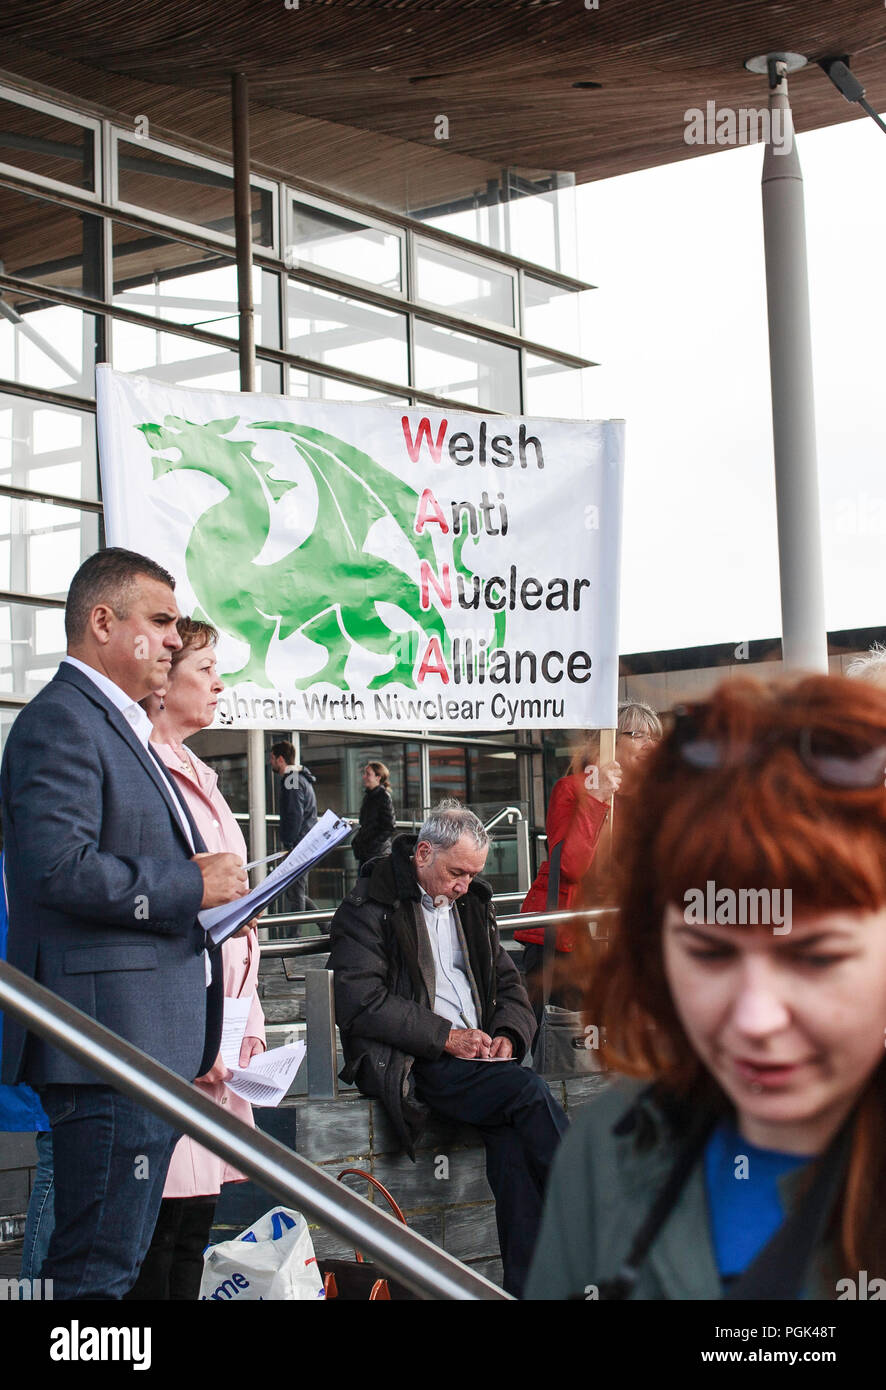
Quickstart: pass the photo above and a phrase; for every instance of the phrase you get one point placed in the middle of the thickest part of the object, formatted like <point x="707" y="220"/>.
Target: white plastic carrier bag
<point x="273" y="1260"/>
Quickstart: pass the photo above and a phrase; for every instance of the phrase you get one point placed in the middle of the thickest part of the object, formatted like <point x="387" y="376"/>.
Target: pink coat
<point x="194" y="1171"/>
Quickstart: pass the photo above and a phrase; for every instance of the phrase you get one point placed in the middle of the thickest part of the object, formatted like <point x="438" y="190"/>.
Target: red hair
<point x="762" y="820"/>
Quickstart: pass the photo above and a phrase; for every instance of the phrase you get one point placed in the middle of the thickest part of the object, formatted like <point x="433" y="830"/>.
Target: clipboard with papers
<point x="221" y="922"/>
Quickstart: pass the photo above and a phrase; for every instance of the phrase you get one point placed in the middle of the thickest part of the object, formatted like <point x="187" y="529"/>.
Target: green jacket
<point x="600" y="1190"/>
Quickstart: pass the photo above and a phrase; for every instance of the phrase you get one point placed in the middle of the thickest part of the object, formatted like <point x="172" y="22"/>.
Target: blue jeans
<point x="111" y="1158"/>
<point x="521" y="1124"/>
<point x="41" y="1210"/>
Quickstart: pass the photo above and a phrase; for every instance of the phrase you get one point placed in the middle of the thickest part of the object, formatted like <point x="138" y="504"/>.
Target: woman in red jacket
<point x="577" y="811"/>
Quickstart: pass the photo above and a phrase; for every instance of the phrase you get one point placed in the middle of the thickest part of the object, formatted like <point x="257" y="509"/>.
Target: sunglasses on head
<point x="836" y="758"/>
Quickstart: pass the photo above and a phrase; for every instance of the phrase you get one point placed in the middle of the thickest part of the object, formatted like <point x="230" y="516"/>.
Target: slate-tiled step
<point x="281" y="986"/>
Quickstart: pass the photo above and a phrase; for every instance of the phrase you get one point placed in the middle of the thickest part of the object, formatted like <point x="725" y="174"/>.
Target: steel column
<point x="255" y="747"/>
<point x="804" y="634"/>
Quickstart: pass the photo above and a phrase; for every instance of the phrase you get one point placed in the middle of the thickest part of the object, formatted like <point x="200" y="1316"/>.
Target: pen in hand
<point x="270" y="859"/>
<point x="466" y="1022"/>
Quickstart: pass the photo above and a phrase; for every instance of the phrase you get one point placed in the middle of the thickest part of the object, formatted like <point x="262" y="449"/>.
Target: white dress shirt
<point x="141" y="726"/>
<point x="132" y="711"/>
<point x="453" y="999"/>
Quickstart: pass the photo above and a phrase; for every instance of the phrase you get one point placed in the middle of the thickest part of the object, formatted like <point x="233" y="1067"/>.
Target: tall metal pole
<point x="424" y="763"/>
<point x="243" y="228"/>
<point x="255" y="746"/>
<point x="804" y="634"/>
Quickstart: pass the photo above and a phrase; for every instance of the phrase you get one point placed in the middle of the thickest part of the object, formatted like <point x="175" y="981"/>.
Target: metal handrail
<point x="505" y="811"/>
<point x="326" y="914"/>
<point x="308" y="945"/>
<point x="402" y="1253"/>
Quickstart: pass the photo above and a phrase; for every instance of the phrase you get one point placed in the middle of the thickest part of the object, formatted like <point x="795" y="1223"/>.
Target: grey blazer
<point x="102" y="897"/>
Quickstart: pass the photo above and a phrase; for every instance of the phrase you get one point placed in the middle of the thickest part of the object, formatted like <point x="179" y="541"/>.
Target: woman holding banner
<point x="173" y="1265"/>
<point x="577" y="812"/>
<point x="745" y="992"/>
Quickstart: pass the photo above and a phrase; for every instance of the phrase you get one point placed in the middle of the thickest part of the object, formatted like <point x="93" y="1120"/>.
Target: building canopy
<point x="350" y="93"/>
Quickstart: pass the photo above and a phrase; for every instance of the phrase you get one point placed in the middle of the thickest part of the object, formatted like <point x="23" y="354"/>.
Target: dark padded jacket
<point x="298" y="805"/>
<point x="376" y="825"/>
<point x="384" y="984"/>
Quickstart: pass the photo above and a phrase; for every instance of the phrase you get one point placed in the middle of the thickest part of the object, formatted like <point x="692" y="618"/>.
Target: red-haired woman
<point x="745" y="991"/>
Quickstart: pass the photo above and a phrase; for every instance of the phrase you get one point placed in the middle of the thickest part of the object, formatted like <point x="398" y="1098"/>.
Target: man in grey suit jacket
<point x="106" y="872"/>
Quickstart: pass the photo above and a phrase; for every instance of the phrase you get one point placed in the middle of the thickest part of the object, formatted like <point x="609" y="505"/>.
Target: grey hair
<point x="870" y="667"/>
<point x="446" y="822"/>
<point x="636" y="717"/>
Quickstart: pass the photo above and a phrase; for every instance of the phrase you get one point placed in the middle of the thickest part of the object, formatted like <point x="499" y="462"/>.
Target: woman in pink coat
<point x="173" y="1265"/>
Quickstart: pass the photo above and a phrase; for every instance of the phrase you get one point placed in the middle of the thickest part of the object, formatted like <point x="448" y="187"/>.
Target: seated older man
<point x="433" y="1015"/>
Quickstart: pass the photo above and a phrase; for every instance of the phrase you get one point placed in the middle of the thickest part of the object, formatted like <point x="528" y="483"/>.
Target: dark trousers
<point x="111" y="1158"/>
<point x="173" y="1267"/>
<point x="521" y="1124"/>
<point x="297" y="899"/>
<point x="297" y="895"/>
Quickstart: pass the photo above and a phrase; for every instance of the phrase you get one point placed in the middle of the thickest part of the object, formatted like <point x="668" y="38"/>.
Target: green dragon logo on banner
<point x="327" y="586"/>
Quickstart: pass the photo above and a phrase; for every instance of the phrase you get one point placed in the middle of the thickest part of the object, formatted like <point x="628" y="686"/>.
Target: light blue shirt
<point x="453" y="999"/>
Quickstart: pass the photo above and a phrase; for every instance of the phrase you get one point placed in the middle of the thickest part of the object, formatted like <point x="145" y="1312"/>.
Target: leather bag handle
<point x="379" y="1187"/>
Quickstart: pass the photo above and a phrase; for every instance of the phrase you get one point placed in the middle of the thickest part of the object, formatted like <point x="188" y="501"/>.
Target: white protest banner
<point x="377" y="566"/>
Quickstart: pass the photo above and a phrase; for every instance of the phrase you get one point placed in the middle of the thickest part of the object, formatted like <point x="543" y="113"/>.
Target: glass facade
<point x="32" y="643"/>
<point x="353" y="303"/>
<point x="342" y="245"/>
<point x="464" y="286"/>
<point x="47" y="448"/>
<point x="340" y="332"/>
<point x="466" y="368"/>
<point x="48" y="347"/>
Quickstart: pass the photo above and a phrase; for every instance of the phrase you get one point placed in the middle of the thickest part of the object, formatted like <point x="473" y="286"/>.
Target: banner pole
<point x="255" y="738"/>
<point x="243" y="228"/>
<point x="607" y="755"/>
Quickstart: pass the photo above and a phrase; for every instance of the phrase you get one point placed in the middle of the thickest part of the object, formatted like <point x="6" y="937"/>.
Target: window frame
<point x="116" y="136"/>
<point x="511" y="273"/>
<point x="288" y="194"/>
<point x="63" y="113"/>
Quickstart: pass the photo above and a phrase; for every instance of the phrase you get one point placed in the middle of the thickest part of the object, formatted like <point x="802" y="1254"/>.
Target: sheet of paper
<point x="234" y="1021"/>
<point x="220" y="922"/>
<point x="486" y="1059"/>
<point x="269" y="1076"/>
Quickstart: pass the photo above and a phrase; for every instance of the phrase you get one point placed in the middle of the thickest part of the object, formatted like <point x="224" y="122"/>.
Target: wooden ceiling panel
<point x="346" y="92"/>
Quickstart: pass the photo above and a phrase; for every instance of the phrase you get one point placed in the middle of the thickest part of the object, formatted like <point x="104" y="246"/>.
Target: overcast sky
<point x="679" y="326"/>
